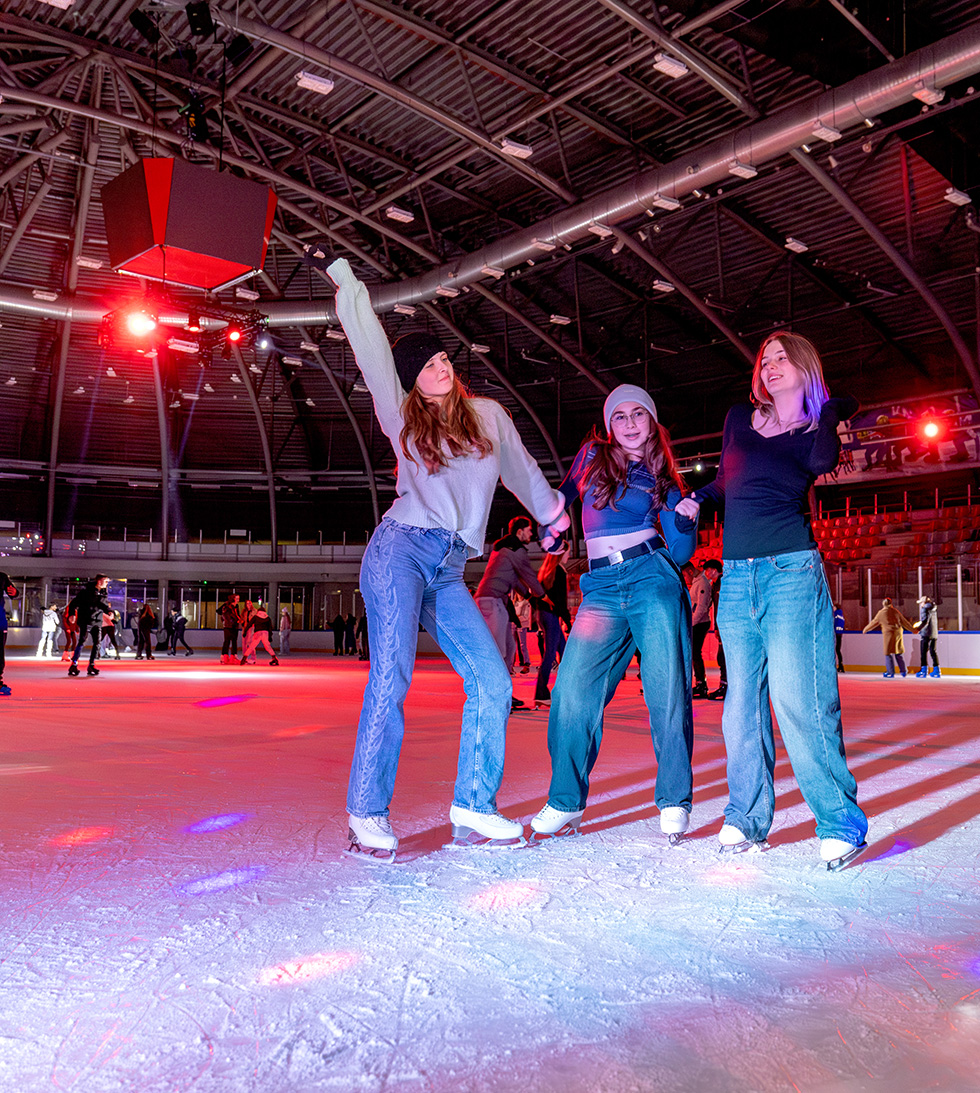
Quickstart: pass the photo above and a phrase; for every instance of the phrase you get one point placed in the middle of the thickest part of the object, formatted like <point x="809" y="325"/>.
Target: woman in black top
<point x="775" y="614"/>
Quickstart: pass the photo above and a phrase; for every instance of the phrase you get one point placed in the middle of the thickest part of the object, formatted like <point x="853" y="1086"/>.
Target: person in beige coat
<point x="892" y="622"/>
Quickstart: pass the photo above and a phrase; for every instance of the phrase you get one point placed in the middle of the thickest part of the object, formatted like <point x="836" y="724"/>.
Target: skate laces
<point x="377" y="824"/>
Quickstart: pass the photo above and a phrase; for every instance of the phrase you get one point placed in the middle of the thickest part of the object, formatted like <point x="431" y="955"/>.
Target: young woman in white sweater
<point x="451" y="450"/>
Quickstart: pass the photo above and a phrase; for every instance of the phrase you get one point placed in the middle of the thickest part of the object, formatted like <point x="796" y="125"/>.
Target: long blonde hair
<point x="801" y="353"/>
<point x="607" y="473"/>
<point x="452" y="422"/>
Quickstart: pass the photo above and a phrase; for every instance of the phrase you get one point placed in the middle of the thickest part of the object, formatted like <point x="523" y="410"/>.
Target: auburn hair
<point x="608" y="472"/>
<point x="431" y="424"/>
<point x="546" y="571"/>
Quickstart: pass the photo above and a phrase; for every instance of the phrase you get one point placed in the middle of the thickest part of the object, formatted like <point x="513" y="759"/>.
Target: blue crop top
<point x="635" y="508"/>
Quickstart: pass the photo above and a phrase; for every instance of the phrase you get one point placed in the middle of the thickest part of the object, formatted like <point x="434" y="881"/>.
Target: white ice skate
<point x="674" y="821"/>
<point x="733" y="841"/>
<point x="371" y="837"/>
<point x="552" y="823"/>
<point x="486" y="829"/>
<point x="838" y="852"/>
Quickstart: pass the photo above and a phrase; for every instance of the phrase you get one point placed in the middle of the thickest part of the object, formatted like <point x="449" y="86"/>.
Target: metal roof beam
<point x="898" y="260"/>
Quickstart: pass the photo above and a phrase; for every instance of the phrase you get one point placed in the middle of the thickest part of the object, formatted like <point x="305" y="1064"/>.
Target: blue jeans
<point x="410" y="575"/>
<point x="640" y="603"/>
<point x="776" y="620"/>
<point x="553" y="647"/>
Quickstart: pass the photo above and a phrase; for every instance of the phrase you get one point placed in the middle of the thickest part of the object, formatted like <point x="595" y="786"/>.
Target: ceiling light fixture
<point x="826" y="132"/>
<point x="956" y="197"/>
<point x="662" y="286"/>
<point x="742" y="170"/>
<point x="293" y="362"/>
<point x="797" y="246"/>
<point x="669" y="66"/>
<point x="493" y="271"/>
<point x="662" y="201"/>
<point x="88" y="263"/>
<point x="43" y="294"/>
<point x="244" y="293"/>
<point x="478" y="348"/>
<point x="447" y="290"/>
<point x="180" y="345"/>
<point x="516" y="149"/>
<point x="928" y="93"/>
<point x="310" y="347"/>
<point x="601" y="230"/>
<point x="310" y="81"/>
<point x="61" y="5"/>
<point x="559" y="320"/>
<point x="403" y="216"/>
<point x="404" y="309"/>
<point x="336" y="335"/>
<point x="543" y="244"/>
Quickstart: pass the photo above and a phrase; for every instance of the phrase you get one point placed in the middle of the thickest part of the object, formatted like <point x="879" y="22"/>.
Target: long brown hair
<point x="609" y="468"/>
<point x="802" y="353"/>
<point x="452" y="422"/>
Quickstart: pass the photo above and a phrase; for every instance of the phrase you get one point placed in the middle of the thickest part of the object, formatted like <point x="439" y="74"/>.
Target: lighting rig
<point x="209" y="328"/>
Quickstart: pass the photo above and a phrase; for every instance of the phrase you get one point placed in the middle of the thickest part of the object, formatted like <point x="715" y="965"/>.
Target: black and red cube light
<point x="173" y="221"/>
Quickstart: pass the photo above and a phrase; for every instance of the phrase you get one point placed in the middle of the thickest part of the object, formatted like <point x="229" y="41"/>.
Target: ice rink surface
<point x="178" y="915"/>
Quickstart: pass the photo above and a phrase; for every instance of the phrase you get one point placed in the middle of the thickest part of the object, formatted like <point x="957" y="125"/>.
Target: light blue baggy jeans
<point x="640" y="603"/>
<point x="411" y="575"/>
<point x="777" y="624"/>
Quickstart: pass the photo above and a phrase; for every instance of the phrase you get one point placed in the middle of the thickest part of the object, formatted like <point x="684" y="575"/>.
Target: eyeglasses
<point x="620" y="418"/>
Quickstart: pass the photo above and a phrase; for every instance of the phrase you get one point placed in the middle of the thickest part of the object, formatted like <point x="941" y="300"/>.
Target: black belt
<point x="648" y="546"/>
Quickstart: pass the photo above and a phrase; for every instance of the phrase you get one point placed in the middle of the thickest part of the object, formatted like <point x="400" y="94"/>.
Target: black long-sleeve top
<point x="765" y="481"/>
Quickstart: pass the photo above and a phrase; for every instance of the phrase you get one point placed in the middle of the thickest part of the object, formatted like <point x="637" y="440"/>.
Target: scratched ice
<point x="178" y="915"/>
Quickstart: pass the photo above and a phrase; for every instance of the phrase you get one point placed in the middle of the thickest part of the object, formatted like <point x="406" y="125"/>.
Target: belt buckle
<point x="615" y="558"/>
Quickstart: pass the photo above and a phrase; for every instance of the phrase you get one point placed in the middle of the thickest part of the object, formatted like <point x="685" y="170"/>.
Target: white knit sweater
<point x="456" y="497"/>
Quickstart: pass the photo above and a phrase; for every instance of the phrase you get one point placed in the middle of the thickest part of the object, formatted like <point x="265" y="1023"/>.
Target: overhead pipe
<point x="757" y="143"/>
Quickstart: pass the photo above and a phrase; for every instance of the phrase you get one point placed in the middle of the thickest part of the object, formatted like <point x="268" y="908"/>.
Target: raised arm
<point x="370" y="345"/>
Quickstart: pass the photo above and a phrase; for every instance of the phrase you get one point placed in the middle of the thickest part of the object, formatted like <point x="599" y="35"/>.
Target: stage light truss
<point x="136" y="325"/>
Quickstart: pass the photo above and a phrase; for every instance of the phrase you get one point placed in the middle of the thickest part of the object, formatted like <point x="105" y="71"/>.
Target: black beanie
<point x="411" y="352"/>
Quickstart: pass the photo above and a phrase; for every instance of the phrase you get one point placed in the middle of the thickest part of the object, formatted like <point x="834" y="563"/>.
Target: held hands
<point x="552" y="536"/>
<point x="688" y="508"/>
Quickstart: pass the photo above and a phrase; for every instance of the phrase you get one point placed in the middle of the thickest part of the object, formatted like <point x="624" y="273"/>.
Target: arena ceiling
<point x="624" y="218"/>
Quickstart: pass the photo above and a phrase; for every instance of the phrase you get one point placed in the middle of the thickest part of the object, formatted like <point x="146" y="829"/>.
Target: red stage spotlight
<point x="193" y="323"/>
<point x="234" y="334"/>
<point x="931" y="429"/>
<point x="140" y="322"/>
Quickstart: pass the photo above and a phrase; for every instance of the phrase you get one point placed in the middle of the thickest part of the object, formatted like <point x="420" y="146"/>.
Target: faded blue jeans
<point x="777" y="624"/>
<point x="409" y="575"/>
<point x="640" y="603"/>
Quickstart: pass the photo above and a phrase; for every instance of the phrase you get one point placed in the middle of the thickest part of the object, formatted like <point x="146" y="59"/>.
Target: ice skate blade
<point x="676" y="838"/>
<point x="465" y="838"/>
<point x="838" y="864"/>
<point x="747" y="847"/>
<point x="566" y="832"/>
<point x="371" y="855"/>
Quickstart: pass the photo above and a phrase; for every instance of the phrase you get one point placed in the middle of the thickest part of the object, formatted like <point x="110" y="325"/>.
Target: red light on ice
<point x="307" y="968"/>
<point x="80" y="836"/>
